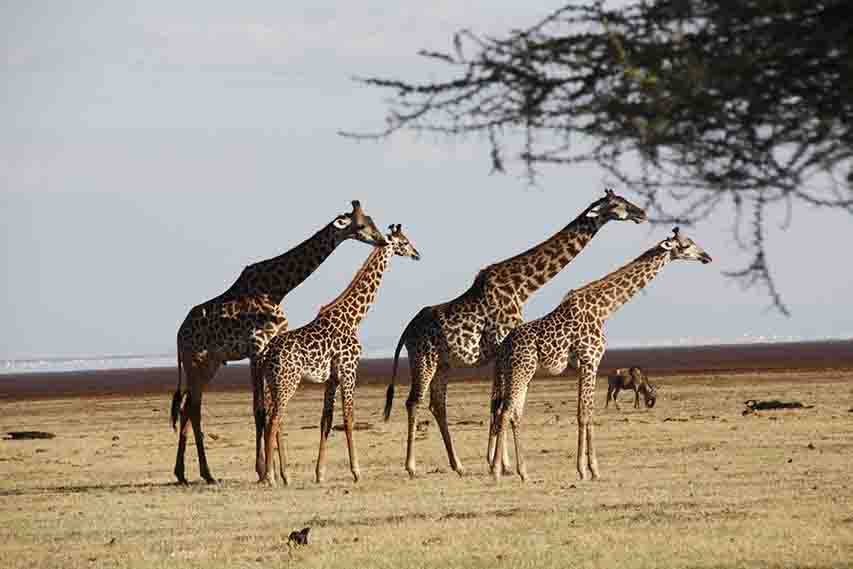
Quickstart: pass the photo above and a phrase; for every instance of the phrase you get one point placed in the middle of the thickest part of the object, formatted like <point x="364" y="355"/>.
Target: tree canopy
<point x="696" y="105"/>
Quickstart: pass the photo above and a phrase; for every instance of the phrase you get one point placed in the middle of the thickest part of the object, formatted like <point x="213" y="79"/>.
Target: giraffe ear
<point x="342" y="222"/>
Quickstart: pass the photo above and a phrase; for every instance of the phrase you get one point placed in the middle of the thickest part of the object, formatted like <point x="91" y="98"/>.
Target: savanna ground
<point x="690" y="483"/>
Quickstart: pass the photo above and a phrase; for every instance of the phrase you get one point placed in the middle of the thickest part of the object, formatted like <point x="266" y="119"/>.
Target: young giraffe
<point x="572" y="333"/>
<point x="326" y="350"/>
<point x="241" y="321"/>
<point x="466" y="331"/>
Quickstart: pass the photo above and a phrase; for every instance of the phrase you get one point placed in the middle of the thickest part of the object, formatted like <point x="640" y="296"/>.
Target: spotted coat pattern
<point x="240" y="322"/>
<point x="572" y="334"/>
<point x="325" y="350"/>
<point x="466" y="331"/>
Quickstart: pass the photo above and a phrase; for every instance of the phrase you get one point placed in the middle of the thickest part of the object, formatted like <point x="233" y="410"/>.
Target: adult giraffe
<point x="240" y="322"/>
<point x="466" y="331"/>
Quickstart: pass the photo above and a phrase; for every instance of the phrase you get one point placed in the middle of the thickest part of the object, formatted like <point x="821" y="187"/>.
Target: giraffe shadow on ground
<point x="129" y="487"/>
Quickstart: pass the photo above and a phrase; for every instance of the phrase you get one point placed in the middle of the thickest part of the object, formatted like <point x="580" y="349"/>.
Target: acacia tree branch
<point x="721" y="105"/>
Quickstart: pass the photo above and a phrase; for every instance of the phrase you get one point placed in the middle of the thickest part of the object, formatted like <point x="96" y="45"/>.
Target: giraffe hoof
<point x="461" y="472"/>
<point x="211" y="480"/>
<point x="182" y="482"/>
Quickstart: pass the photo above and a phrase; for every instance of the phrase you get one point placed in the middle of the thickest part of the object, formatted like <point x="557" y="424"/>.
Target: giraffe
<point x="571" y="334"/>
<point x="241" y="321"/>
<point x="325" y="350"/>
<point x="466" y="331"/>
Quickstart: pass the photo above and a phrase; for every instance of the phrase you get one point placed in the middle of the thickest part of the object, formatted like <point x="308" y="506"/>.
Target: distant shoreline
<point x="829" y="354"/>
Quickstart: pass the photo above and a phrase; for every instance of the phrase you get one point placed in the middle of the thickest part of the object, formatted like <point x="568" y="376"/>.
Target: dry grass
<point x="691" y="483"/>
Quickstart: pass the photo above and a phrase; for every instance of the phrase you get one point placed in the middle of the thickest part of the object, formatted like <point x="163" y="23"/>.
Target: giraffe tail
<point x="178" y="396"/>
<point x="389" y="395"/>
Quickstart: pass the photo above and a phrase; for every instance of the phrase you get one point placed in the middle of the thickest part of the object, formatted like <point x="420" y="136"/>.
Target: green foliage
<point x="695" y="104"/>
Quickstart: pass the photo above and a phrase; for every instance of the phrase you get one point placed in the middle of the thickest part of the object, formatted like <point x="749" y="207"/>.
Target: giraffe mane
<point x="532" y="248"/>
<point x="614" y="274"/>
<point x="376" y="251"/>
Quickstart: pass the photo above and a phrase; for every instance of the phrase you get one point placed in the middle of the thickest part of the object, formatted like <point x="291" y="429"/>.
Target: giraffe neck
<point x="527" y="272"/>
<point x="279" y="275"/>
<point x="352" y="304"/>
<point x="612" y="291"/>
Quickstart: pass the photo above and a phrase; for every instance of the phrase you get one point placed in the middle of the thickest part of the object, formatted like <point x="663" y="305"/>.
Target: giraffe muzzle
<point x="638" y="216"/>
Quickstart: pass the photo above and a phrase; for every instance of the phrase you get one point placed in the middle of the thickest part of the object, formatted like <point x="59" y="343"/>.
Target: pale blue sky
<point x="148" y="151"/>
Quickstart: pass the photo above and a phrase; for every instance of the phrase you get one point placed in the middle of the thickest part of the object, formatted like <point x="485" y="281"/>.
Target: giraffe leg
<point x="493" y="430"/>
<point x="507" y="468"/>
<point x="591" y="456"/>
<point x="501" y="422"/>
<point x="581" y="459"/>
<point x="496" y="402"/>
<point x="190" y="371"/>
<point x="514" y="399"/>
<point x="198" y="377"/>
<point x="438" y="406"/>
<point x="281" y="389"/>
<point x="282" y="457"/>
<point x="260" y="420"/>
<point x="636" y="398"/>
<point x="493" y="437"/>
<point x="609" y="396"/>
<point x="521" y="465"/>
<point x="260" y="463"/>
<point x="423" y="366"/>
<point x="195" y="419"/>
<point x="270" y="436"/>
<point x="347" y="400"/>
<point x="182" y="445"/>
<point x="325" y="427"/>
<point x="587" y="463"/>
<point x="492" y="451"/>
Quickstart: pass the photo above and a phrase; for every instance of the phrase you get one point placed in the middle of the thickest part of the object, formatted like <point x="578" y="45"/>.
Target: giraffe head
<point x="402" y="246"/>
<point x="682" y="247"/>
<point x="359" y="226"/>
<point x="615" y="207"/>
